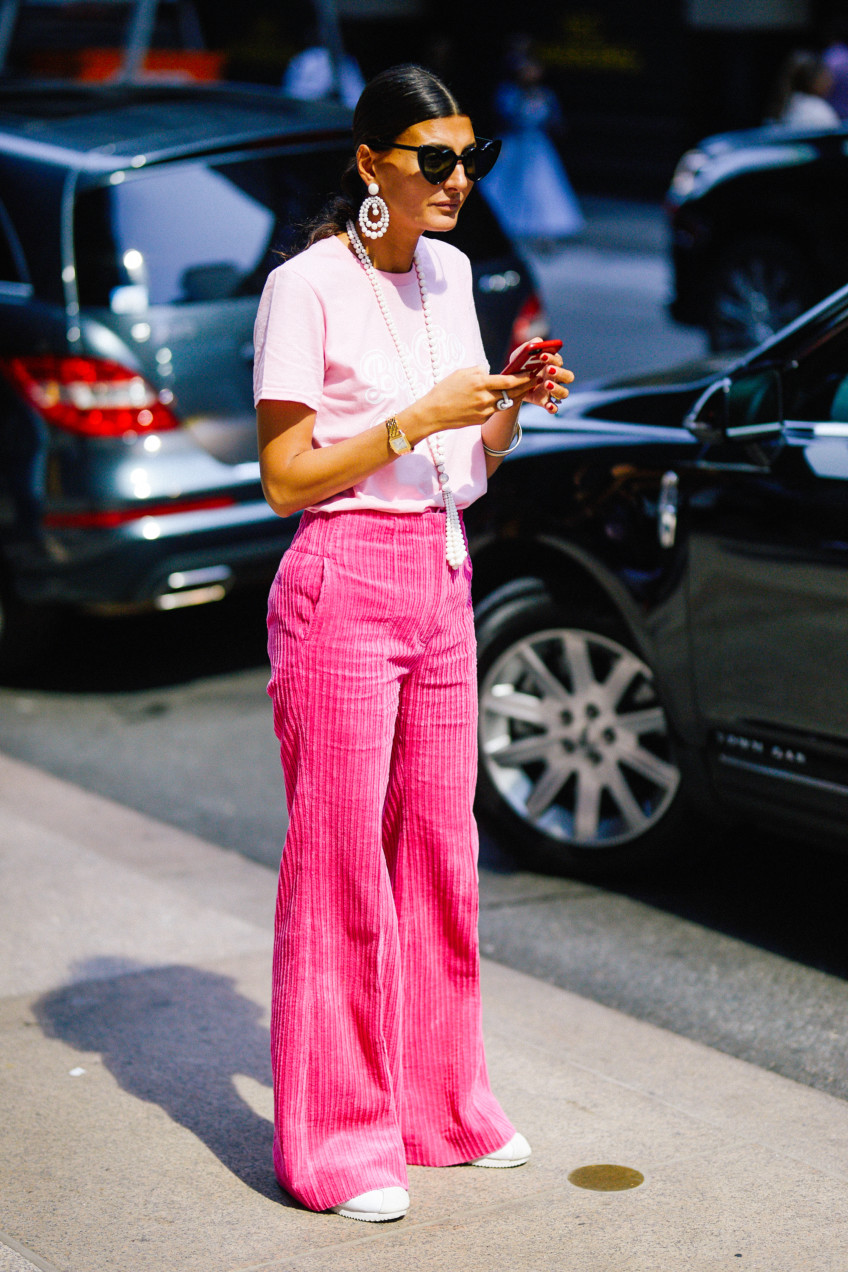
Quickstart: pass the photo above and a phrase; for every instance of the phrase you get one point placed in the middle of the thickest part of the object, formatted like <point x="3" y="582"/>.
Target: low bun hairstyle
<point x="389" y="104"/>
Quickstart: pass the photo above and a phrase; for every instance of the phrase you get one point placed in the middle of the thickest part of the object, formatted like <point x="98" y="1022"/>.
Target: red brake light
<point x="531" y="320"/>
<point x="89" y="395"/>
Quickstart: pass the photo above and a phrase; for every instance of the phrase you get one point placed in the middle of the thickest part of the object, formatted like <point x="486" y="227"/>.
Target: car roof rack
<point x="140" y="34"/>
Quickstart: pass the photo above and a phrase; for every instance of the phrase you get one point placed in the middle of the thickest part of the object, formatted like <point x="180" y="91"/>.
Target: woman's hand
<point x="467" y="396"/>
<point x="295" y="474"/>
<point x="549" y="389"/>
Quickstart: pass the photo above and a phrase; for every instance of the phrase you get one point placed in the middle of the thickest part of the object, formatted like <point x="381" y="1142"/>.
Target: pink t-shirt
<point x="321" y="339"/>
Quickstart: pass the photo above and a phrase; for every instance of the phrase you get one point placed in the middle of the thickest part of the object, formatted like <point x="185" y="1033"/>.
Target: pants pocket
<point x="296" y="596"/>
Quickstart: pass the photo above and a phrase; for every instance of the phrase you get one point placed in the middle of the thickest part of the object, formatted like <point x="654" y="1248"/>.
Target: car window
<point x="187" y="232"/>
<point x="817" y="391"/>
<point x="10" y="257"/>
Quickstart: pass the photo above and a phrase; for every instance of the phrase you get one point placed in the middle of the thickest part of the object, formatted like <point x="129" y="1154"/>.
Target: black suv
<point x="758" y="230"/>
<point x="661" y="585"/>
<point x="137" y="228"/>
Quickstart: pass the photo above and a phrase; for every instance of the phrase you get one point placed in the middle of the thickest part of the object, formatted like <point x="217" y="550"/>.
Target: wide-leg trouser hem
<point x="344" y="1188"/>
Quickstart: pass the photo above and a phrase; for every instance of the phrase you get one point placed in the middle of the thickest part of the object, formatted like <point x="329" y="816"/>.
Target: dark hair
<point x="798" y="74"/>
<point x="389" y="104"/>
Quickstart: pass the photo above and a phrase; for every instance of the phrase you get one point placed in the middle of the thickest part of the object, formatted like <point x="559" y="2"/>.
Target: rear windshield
<point x="199" y="231"/>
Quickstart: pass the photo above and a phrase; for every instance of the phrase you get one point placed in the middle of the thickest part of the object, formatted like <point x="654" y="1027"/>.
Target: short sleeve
<point x="288" y="341"/>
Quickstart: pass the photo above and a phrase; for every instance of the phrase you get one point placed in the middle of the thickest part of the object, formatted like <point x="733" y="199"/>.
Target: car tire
<point x="593" y="788"/>
<point x="760" y="284"/>
<point x="25" y="633"/>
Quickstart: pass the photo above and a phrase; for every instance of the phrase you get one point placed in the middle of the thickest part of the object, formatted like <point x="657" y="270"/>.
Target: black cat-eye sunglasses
<point x="438" y="162"/>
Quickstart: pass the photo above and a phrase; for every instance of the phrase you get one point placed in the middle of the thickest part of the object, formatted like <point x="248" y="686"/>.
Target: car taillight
<point x="89" y="395"/>
<point x="531" y="320"/>
<point x="110" y="518"/>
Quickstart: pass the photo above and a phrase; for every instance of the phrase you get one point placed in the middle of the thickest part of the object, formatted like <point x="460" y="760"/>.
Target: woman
<point x="377" y="416"/>
<point x="530" y="191"/>
<point x="800" y="98"/>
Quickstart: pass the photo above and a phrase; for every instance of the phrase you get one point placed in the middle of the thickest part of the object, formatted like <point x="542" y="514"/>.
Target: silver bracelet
<point x="516" y="438"/>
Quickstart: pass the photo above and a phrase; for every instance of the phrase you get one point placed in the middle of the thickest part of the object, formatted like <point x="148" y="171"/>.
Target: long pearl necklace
<point x="454" y="542"/>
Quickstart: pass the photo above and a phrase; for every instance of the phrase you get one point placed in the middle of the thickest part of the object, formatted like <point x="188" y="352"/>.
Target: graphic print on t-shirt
<point x="385" y="374"/>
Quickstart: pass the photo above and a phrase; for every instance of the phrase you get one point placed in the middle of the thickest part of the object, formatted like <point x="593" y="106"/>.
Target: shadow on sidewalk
<point x="176" y="1037"/>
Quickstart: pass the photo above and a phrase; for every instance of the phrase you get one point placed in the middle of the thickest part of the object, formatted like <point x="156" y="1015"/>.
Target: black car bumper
<point x="151" y="558"/>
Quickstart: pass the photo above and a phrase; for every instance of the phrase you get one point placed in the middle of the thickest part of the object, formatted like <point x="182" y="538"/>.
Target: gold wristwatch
<point x="398" y="440"/>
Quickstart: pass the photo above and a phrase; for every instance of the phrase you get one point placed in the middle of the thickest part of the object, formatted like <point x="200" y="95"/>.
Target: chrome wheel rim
<point x="759" y="297"/>
<point x="573" y="736"/>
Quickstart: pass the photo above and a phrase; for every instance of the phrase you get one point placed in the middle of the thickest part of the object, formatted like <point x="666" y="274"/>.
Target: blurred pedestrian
<point x="835" y="58"/>
<point x="310" y="76"/>
<point x="800" y="99"/>
<point x="375" y="1020"/>
<point x="530" y="192"/>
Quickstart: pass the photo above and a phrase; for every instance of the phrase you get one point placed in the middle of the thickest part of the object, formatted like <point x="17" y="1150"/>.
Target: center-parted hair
<point x="390" y="103"/>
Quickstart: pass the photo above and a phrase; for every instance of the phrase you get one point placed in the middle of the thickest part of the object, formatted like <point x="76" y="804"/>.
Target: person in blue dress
<point x="529" y="190"/>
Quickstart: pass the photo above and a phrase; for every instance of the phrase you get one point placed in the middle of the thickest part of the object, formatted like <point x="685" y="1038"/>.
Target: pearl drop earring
<point x="376" y="208"/>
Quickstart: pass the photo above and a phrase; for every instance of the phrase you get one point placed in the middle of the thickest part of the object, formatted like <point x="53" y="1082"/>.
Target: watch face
<point x="397" y="440"/>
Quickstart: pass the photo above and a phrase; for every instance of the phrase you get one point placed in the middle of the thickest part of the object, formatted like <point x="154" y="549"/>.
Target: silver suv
<point x="137" y="227"/>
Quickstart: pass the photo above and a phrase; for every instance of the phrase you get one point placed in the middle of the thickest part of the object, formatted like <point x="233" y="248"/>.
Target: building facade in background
<point x="639" y="81"/>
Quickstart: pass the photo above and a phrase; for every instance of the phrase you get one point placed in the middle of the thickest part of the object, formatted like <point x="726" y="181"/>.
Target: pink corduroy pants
<point x="376" y="1039"/>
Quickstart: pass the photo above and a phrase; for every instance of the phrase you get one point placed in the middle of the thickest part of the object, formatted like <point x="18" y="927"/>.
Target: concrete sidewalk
<point x="135" y="1099"/>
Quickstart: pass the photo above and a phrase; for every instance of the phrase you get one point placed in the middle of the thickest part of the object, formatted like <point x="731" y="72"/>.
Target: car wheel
<point x="761" y="284"/>
<point x="24" y="632"/>
<point x="577" y="765"/>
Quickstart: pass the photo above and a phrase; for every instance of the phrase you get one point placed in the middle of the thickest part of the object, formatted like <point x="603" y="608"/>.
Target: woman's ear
<point x="365" y="163"/>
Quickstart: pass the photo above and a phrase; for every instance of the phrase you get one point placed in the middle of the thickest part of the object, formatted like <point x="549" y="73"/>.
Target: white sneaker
<point x="515" y="1153"/>
<point x="376" y="1206"/>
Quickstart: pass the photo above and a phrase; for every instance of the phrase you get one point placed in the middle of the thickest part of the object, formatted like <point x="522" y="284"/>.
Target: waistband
<point x="323" y="529"/>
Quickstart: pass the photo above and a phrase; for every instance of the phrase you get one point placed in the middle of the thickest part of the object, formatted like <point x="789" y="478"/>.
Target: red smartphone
<point x="529" y="353"/>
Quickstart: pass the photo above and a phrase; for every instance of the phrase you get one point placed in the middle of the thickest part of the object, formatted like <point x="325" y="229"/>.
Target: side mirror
<point x="745" y="408"/>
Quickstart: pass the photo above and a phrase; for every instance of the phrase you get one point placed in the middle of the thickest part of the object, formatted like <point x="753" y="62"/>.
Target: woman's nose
<point x="458" y="179"/>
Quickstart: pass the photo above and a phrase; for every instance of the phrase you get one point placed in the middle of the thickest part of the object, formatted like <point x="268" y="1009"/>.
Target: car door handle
<point x="667" y="505"/>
